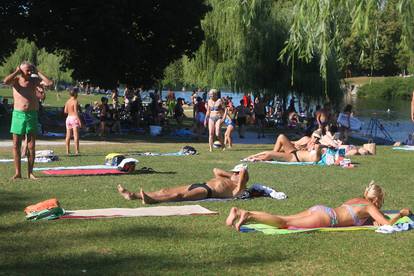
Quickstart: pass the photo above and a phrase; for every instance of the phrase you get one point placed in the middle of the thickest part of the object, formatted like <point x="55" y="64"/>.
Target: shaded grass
<point x="199" y="244"/>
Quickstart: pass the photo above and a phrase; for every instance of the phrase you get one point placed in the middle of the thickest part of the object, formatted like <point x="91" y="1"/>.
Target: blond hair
<point x="213" y="91"/>
<point x="374" y="191"/>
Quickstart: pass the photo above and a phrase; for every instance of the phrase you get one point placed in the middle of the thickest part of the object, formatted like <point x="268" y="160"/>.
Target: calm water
<point x="394" y="115"/>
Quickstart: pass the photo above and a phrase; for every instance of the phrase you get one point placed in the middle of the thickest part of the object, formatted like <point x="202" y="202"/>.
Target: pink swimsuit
<point x="72" y="122"/>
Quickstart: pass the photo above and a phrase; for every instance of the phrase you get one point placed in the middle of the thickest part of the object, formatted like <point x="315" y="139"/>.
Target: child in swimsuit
<point x="73" y="122"/>
<point x="353" y="212"/>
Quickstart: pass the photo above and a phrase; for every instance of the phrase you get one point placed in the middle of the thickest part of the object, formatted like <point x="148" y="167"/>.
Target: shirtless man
<point x="24" y="81"/>
<point x="73" y="122"/>
<point x="223" y="185"/>
<point x="285" y="150"/>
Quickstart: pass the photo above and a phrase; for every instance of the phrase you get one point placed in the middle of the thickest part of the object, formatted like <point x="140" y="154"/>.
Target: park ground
<point x="199" y="244"/>
<point x="195" y="244"/>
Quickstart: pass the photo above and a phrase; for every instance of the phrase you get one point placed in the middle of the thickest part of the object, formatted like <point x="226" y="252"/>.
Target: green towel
<point x="271" y="230"/>
<point x="47" y="214"/>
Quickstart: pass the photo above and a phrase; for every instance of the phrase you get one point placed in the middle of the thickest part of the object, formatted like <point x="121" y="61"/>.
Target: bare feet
<point x="31" y="176"/>
<point x="146" y="199"/>
<point x="16" y="176"/>
<point x="243" y="215"/>
<point x="211" y="149"/>
<point x="125" y="193"/>
<point x="232" y="216"/>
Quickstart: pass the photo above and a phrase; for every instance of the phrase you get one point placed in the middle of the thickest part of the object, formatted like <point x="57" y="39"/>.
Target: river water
<point x="394" y="115"/>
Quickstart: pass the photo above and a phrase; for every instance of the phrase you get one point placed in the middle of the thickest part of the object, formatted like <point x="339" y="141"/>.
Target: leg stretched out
<point x="305" y="219"/>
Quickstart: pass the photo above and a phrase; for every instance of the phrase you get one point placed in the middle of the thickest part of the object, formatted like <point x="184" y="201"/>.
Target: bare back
<point x="24" y="94"/>
<point x="71" y="107"/>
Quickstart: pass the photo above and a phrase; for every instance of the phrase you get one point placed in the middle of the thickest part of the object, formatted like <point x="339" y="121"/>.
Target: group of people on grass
<point x="27" y="85"/>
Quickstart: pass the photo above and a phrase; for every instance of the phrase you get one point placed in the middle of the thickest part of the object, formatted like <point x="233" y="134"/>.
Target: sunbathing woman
<point x="285" y="150"/>
<point x="355" y="211"/>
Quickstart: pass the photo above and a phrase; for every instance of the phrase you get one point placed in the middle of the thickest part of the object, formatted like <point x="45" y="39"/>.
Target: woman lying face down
<point x="354" y="212"/>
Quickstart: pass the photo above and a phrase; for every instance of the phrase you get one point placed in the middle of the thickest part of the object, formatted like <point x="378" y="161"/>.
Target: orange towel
<point x="47" y="204"/>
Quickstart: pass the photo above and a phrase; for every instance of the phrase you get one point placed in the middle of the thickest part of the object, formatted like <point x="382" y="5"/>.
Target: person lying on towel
<point x="223" y="185"/>
<point x="285" y="150"/>
<point x="354" y="212"/>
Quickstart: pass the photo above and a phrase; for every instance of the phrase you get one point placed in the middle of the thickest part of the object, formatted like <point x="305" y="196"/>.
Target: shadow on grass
<point x="141" y="171"/>
<point x="118" y="251"/>
<point x="12" y="201"/>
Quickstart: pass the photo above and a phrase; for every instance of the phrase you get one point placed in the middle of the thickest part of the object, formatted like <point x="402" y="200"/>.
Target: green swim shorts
<point x="24" y="122"/>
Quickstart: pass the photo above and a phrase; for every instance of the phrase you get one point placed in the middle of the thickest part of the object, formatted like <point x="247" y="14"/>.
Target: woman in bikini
<point x="214" y="118"/>
<point x="230" y="124"/>
<point x="354" y="212"/>
<point x="285" y="150"/>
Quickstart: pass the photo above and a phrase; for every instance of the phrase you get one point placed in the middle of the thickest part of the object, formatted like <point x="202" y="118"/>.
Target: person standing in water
<point x="73" y="121"/>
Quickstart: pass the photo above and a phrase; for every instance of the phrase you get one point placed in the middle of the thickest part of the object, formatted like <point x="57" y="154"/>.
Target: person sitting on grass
<point x="223" y="185"/>
<point x="73" y="121"/>
<point x="285" y="150"/>
<point x="354" y="212"/>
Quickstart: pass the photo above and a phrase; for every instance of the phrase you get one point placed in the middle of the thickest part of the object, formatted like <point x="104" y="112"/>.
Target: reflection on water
<point x="393" y="114"/>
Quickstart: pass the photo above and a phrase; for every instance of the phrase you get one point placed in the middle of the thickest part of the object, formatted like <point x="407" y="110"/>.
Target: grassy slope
<point x="193" y="245"/>
<point x="57" y="99"/>
<point x="364" y="80"/>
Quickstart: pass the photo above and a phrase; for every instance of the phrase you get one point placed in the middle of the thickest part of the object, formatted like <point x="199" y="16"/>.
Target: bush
<point x="389" y="88"/>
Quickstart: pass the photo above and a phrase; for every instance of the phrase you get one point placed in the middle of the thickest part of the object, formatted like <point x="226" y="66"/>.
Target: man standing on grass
<point x="24" y="80"/>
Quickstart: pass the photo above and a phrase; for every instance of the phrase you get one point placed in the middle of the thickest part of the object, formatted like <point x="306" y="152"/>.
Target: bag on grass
<point x="46" y="214"/>
<point x="188" y="150"/>
<point x="127" y="165"/>
<point x="48" y="209"/>
<point x="114" y="159"/>
<point x="47" y="204"/>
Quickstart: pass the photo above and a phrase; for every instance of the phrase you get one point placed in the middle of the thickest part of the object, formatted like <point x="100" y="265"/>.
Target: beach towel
<point x="403" y="224"/>
<point x="41" y="156"/>
<point x="88" y="167"/>
<point x="271" y="230"/>
<point x="45" y="210"/>
<point x="282" y="162"/>
<point x="84" y="172"/>
<point x="409" y="148"/>
<point x="158" y="211"/>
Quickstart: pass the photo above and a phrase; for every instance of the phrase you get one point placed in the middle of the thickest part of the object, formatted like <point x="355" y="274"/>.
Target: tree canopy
<point x="107" y="42"/>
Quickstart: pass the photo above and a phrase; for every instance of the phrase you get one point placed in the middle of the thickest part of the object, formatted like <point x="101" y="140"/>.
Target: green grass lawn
<point x="57" y="98"/>
<point x="199" y="244"/>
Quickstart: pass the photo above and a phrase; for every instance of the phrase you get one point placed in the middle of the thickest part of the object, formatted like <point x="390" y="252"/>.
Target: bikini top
<point x="355" y="218"/>
<point x="215" y="107"/>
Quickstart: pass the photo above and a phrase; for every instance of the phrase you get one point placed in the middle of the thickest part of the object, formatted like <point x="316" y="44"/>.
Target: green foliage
<point x="173" y="75"/>
<point x="49" y="63"/>
<point x="25" y="51"/>
<point x="240" y="52"/>
<point x="389" y="88"/>
<point x="318" y="29"/>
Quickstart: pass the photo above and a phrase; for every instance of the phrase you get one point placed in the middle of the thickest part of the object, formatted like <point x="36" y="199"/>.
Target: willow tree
<point x="242" y="43"/>
<point x="318" y="27"/>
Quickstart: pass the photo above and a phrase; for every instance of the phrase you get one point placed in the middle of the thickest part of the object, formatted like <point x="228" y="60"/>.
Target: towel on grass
<point x="271" y="230"/>
<point x="409" y="148"/>
<point x="41" y="156"/>
<point x="403" y="224"/>
<point x="282" y="162"/>
<point x="159" y="211"/>
<point x="88" y="167"/>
